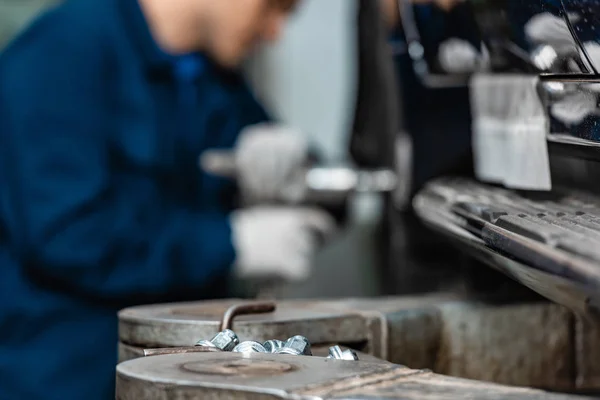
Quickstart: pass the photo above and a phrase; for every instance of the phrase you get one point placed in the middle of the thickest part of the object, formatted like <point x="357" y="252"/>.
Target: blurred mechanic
<point x="105" y="108"/>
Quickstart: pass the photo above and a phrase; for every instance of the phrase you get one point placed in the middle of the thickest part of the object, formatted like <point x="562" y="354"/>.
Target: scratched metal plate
<point x="265" y="376"/>
<point x="255" y="375"/>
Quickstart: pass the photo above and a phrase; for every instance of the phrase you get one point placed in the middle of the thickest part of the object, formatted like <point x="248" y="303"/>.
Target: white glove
<point x="548" y="29"/>
<point x="278" y="241"/>
<point x="574" y="108"/>
<point x="269" y="163"/>
<point x="460" y="56"/>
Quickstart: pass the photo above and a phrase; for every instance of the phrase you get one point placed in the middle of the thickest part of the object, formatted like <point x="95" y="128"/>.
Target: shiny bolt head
<point x="273" y="346"/>
<point x="349" y="355"/>
<point x="290" y="351"/>
<point x="206" y="343"/>
<point x="299" y="343"/>
<point x="249" y="347"/>
<point x="336" y="353"/>
<point x="225" y="340"/>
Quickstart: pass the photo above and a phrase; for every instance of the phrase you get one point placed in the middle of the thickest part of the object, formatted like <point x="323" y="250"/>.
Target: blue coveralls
<point x="102" y="204"/>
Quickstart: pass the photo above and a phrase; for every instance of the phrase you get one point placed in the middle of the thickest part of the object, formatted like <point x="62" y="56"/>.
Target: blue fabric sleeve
<point x="67" y="216"/>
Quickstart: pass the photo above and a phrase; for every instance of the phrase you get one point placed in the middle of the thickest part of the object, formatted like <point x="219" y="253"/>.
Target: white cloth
<point x="510" y="128"/>
<point x="278" y="241"/>
<point x="269" y="163"/>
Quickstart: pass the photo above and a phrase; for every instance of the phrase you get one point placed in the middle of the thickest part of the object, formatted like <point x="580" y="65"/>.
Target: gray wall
<point x="308" y="78"/>
<point x="14" y="14"/>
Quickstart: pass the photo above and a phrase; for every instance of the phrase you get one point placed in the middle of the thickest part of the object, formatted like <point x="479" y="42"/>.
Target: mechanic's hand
<point x="459" y="56"/>
<point x="269" y="163"/>
<point x="575" y="107"/>
<point x="548" y="29"/>
<point x="278" y="241"/>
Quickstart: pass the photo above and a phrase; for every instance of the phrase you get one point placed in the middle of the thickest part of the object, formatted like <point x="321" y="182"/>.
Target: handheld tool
<point x="322" y="183"/>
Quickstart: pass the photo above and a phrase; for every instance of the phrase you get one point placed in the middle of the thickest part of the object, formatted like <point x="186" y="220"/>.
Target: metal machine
<point x="547" y="240"/>
<point x="165" y="349"/>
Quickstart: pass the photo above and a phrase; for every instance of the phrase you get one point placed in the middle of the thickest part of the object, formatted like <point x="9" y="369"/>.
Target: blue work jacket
<point x="102" y="203"/>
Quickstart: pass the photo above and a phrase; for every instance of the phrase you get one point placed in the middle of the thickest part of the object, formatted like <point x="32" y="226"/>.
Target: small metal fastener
<point x="245" y="309"/>
<point x="298" y="343"/>
<point x="336" y="353"/>
<point x="349" y="355"/>
<point x="224" y="341"/>
<point x="273" y="346"/>
<point x="206" y="343"/>
<point x="250" y="347"/>
<point x="290" y="351"/>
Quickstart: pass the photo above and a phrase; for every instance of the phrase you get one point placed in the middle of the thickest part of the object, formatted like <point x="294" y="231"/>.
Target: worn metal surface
<point x="127" y="353"/>
<point x="524" y="345"/>
<point x="587" y="353"/>
<point x="549" y="242"/>
<point x="414" y="336"/>
<point x="422" y="385"/>
<point x="267" y="376"/>
<point x="535" y="345"/>
<point x="185" y="324"/>
<point x="194" y="375"/>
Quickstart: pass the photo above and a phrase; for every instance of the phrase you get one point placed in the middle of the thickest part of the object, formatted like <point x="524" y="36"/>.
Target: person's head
<point x="227" y="30"/>
<point x="235" y="27"/>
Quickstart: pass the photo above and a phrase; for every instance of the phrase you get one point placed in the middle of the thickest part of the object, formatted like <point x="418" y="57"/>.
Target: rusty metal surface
<point x="195" y="375"/>
<point x="554" y="236"/>
<point x="245" y="308"/>
<point x="127" y="352"/>
<point x="587" y="353"/>
<point x="534" y="345"/>
<point x="332" y="321"/>
<point x="524" y="345"/>
<point x="266" y="376"/>
<point x="414" y="337"/>
<point x="184" y="324"/>
<point x="425" y="385"/>
<point x="180" y="350"/>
